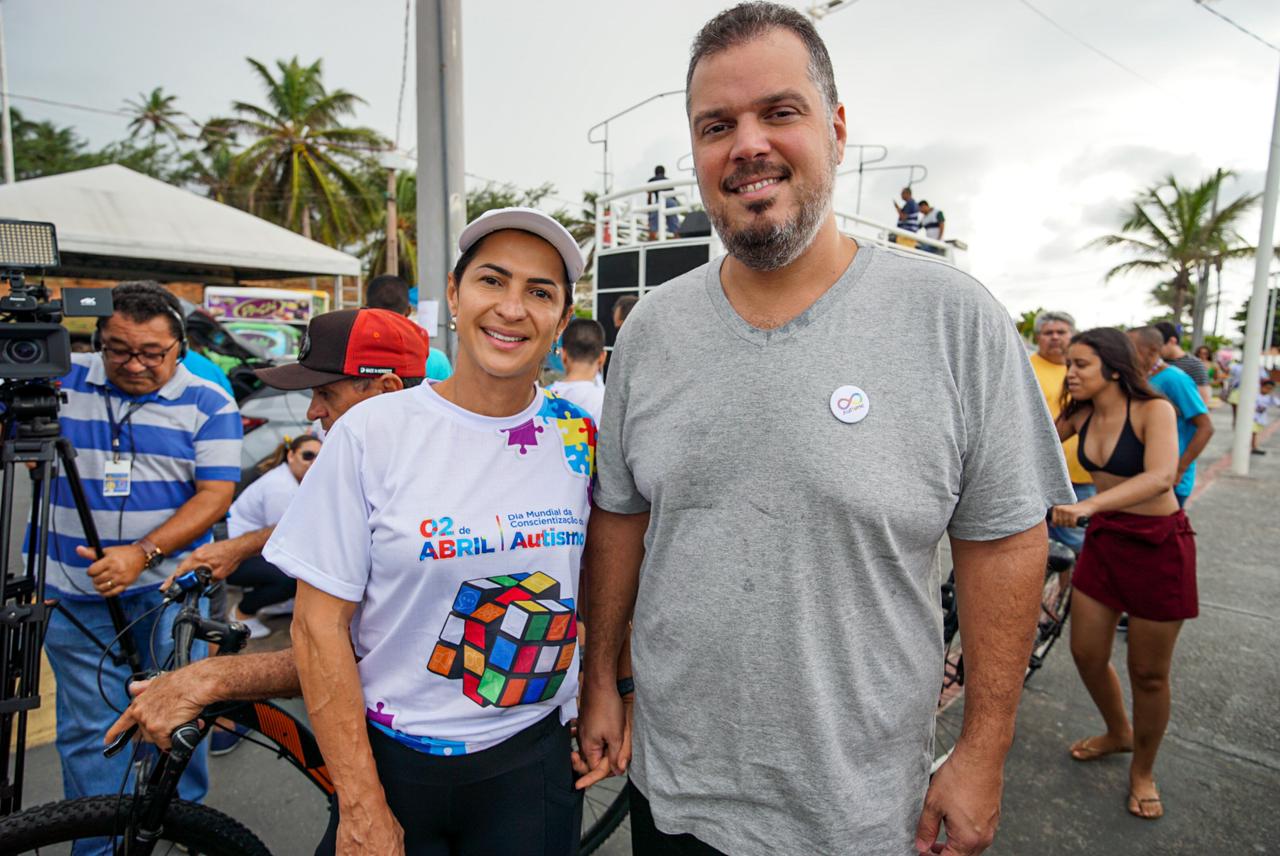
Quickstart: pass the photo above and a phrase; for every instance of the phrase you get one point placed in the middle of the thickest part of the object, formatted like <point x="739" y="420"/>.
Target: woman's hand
<point x="1069" y="515"/>
<point x="368" y="827"/>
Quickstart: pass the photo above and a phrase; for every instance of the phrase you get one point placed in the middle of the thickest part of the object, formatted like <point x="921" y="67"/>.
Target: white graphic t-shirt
<point x="460" y="537"/>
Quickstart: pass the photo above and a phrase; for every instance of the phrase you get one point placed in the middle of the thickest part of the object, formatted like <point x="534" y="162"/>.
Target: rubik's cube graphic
<point x="510" y="638"/>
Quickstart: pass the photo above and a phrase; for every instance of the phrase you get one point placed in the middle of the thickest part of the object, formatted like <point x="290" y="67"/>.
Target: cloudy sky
<point x="1033" y="141"/>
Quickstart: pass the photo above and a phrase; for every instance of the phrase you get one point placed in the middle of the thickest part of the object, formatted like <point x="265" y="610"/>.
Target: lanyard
<point x="117" y="426"/>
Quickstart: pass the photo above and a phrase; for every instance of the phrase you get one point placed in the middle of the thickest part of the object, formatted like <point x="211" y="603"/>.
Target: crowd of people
<point x="452" y="545"/>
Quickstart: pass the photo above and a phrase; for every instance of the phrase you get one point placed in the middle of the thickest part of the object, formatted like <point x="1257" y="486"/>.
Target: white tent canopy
<point x="115" y="223"/>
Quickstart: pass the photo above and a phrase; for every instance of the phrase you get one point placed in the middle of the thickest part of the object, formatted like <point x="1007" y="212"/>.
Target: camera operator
<point x="158" y="450"/>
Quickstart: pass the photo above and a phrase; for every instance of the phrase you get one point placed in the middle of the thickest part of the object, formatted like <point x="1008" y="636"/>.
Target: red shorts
<point x="1145" y="566"/>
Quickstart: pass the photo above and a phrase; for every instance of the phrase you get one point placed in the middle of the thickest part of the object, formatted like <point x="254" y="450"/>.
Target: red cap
<point x="353" y="343"/>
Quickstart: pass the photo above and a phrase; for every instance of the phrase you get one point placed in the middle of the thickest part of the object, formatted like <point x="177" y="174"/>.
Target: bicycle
<point x="1055" y="606"/>
<point x="153" y="819"/>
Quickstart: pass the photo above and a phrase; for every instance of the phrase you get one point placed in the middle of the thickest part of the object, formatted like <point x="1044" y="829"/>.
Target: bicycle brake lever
<point x="120" y="742"/>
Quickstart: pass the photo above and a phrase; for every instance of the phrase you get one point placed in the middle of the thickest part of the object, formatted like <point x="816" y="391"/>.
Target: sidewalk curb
<point x="1205" y="480"/>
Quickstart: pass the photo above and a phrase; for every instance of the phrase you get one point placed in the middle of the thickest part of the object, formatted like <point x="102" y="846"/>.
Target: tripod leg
<point x="67" y="455"/>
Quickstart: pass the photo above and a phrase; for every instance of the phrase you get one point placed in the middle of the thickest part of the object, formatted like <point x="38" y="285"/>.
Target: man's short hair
<point x="659" y="170"/>
<point x="1167" y="330"/>
<point x="924" y="202"/>
<point x="583" y="340"/>
<point x="1151" y="338"/>
<point x="1044" y="316"/>
<point x="142" y="300"/>
<point x="748" y="21"/>
<point x="388" y="291"/>
<point x="623" y="305"/>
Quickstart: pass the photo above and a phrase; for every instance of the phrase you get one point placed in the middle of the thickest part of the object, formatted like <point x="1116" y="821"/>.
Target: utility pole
<point x="1254" y="325"/>
<point x="6" y="128"/>
<point x="442" y="200"/>
<point x="393" y="225"/>
<point x="1274" y="294"/>
<point x="1202" y="288"/>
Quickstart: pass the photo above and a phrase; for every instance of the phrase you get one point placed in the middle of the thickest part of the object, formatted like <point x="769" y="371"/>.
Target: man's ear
<point x="390" y="382"/>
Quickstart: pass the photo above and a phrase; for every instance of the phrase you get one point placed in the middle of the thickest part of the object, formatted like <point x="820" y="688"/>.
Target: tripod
<point x="37" y="441"/>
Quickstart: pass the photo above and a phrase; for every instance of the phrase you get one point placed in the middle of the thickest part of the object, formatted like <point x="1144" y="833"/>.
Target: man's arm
<point x="223" y="557"/>
<point x="335" y="702"/>
<point x="614" y="552"/>
<point x="121" y="565"/>
<point x="998" y="586"/>
<point x="163" y="703"/>
<point x="1204" y="431"/>
<point x="942" y="225"/>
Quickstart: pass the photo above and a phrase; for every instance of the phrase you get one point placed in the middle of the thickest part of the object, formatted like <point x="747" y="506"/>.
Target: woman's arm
<point x="1159" y="463"/>
<point x="335" y="702"/>
<point x="1068" y="426"/>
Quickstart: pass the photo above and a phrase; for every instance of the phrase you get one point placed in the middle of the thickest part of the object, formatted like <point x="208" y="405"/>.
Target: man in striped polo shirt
<point x="158" y="450"/>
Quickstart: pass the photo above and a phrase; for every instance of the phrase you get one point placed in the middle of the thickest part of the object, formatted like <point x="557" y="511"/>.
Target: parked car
<point x="269" y="415"/>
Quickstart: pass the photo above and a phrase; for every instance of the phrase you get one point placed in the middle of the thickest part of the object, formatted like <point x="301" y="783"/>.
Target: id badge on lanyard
<point x="117" y="475"/>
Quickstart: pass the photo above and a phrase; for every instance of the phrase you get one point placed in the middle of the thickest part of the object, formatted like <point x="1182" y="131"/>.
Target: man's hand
<point x="221" y="557"/>
<point x="368" y="827"/>
<point x="604" y="735"/>
<point x="118" y="568"/>
<point x="162" y="704"/>
<point x="964" y="797"/>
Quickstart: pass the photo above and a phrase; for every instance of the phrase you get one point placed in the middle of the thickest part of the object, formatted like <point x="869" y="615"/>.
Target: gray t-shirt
<point x="788" y="635"/>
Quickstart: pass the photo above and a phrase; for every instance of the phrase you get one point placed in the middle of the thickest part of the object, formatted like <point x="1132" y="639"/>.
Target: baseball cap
<point x="353" y="343"/>
<point x="527" y="220"/>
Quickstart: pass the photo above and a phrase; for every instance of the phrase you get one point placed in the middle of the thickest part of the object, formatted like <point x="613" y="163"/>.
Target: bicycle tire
<point x="1055" y="606"/>
<point x="602" y="817"/>
<point x="197" y="828"/>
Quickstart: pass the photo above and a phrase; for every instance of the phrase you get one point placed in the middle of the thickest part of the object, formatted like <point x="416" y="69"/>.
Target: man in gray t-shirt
<point x="791" y="430"/>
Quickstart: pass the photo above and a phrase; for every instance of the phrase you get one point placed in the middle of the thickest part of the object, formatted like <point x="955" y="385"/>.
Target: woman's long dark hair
<point x="286" y="446"/>
<point x="1119" y="363"/>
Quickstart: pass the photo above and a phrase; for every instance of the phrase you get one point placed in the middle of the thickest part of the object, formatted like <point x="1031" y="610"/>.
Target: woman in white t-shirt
<point x="437" y="544"/>
<point x="260" y="505"/>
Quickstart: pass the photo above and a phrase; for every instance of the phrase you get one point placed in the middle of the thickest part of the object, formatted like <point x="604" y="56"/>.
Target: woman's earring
<point x="453" y="324"/>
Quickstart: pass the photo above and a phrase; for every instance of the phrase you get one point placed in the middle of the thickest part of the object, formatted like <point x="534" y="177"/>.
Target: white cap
<point x="527" y="220"/>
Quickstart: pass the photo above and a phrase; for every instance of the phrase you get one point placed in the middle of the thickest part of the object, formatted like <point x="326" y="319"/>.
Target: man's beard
<point x="769" y="246"/>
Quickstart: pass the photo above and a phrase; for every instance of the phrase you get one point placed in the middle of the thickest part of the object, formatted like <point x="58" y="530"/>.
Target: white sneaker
<point x="257" y="630"/>
<point x="282" y="608"/>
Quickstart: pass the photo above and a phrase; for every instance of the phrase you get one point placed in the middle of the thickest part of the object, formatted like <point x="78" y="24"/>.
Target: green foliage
<point x="1242" y="317"/>
<point x="1027" y="323"/>
<point x="1172" y="229"/>
<point x="375" y="250"/>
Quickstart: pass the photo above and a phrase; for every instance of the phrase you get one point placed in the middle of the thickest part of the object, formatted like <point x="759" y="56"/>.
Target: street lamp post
<point x="604" y="125"/>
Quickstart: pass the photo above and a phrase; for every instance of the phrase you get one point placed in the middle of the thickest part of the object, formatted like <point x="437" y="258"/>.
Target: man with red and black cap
<point x="345" y="357"/>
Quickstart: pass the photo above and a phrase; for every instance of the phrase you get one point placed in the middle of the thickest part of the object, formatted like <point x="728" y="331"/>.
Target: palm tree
<point x="156" y="114"/>
<point x="1172" y="229"/>
<point x="298" y="167"/>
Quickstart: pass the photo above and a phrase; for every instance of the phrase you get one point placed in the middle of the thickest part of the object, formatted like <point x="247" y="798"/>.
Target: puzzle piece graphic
<point x="555" y="407"/>
<point x="579" y="438"/>
<point x="378" y="716"/>
<point x="524" y="435"/>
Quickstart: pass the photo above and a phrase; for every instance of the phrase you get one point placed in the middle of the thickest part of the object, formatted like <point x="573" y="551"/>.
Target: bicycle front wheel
<point x="604" y="807"/>
<point x="188" y="828"/>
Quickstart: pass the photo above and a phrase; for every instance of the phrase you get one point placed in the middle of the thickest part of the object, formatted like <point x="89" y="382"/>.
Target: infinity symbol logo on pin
<point x="850" y="404"/>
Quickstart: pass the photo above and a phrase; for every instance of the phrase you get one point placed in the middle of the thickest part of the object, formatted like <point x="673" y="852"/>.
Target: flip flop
<point x="1082" y="751"/>
<point x="1136" y="804"/>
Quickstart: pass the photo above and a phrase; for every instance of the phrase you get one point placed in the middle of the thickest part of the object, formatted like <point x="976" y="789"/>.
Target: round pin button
<point x="850" y="404"/>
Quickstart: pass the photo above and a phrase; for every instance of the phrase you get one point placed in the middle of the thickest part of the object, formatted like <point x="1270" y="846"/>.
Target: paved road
<point x="1219" y="769"/>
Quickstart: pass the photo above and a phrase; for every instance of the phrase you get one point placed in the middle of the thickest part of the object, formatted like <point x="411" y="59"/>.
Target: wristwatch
<point x="153" y="554"/>
<point x="626" y="686"/>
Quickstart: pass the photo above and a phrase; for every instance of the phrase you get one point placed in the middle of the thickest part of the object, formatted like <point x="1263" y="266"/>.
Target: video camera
<point x="33" y="344"/>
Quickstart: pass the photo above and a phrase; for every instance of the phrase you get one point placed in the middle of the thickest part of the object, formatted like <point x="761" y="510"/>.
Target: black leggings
<point x="648" y="840"/>
<point x="263" y="584"/>
<point x="514" y="799"/>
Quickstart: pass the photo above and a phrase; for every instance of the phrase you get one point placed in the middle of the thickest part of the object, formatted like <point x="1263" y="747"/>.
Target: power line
<point x="404" y="72"/>
<point x="1117" y="63"/>
<point x="1205" y="6"/>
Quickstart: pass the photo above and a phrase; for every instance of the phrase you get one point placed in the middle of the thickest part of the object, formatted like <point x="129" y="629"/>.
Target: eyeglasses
<point x="308" y="455"/>
<point x="149" y="358"/>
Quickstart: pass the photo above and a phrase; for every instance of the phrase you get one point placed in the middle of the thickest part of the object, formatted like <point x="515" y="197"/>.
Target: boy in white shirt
<point x="582" y="349"/>
<point x="1261" y="418"/>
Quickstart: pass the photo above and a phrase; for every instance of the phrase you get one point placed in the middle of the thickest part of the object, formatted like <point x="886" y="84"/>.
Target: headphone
<point x="173" y="313"/>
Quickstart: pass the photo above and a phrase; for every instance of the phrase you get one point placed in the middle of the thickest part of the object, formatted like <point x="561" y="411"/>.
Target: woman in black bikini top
<point x="1138" y="555"/>
<point x="1126" y="459"/>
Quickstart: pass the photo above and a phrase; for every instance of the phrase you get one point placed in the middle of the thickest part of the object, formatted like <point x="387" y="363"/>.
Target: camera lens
<point x="23" y="352"/>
